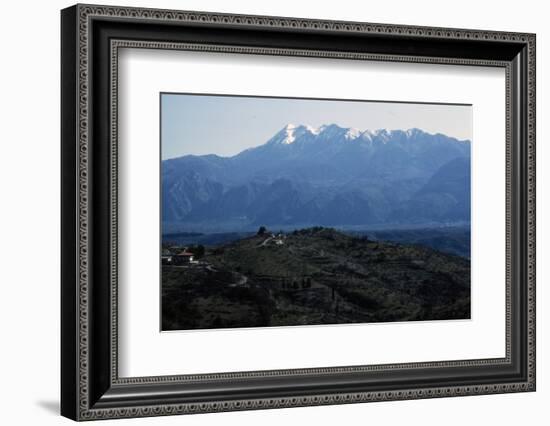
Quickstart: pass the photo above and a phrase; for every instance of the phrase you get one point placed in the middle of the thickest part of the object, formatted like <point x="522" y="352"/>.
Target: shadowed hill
<point x="314" y="276"/>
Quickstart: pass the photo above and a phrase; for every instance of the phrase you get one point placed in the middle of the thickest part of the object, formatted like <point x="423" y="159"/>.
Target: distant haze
<point x="227" y="125"/>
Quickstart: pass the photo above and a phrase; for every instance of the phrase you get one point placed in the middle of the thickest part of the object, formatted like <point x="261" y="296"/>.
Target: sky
<point x="226" y="125"/>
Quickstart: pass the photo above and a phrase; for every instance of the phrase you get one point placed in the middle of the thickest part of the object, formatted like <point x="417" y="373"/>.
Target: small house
<point x="166" y="257"/>
<point x="182" y="258"/>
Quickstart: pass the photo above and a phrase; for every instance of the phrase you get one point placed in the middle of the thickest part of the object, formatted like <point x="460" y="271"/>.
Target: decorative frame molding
<point x="91" y="37"/>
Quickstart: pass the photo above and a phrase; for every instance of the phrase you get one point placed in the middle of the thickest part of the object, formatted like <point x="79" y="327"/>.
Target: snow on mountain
<point x="292" y="133"/>
<point x="352" y="133"/>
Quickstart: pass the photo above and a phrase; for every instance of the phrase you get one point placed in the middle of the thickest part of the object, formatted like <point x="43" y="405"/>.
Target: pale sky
<point x="227" y="125"/>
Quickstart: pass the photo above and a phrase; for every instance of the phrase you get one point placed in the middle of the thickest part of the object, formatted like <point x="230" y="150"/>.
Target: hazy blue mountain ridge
<point x="326" y="176"/>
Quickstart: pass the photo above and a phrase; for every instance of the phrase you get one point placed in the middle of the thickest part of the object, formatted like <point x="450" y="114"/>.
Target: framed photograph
<point x="315" y="224"/>
<point x="263" y="212"/>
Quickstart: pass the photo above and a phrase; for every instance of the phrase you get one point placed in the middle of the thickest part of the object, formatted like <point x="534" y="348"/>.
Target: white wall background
<point x="29" y="212"/>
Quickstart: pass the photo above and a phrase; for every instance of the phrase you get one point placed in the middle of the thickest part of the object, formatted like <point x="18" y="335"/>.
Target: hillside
<point x="314" y="276"/>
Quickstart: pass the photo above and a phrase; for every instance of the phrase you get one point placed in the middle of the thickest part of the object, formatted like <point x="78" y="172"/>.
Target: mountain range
<point x="329" y="176"/>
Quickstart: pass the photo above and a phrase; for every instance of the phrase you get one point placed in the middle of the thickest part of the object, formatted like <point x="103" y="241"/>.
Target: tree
<point x="262" y="230"/>
<point x="198" y="251"/>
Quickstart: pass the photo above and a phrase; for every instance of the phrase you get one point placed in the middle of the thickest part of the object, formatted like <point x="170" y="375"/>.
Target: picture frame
<point x="91" y="37"/>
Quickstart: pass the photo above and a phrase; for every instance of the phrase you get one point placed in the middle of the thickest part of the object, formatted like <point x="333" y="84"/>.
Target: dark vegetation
<point x="313" y="276"/>
<point x="206" y="239"/>
<point x="452" y="240"/>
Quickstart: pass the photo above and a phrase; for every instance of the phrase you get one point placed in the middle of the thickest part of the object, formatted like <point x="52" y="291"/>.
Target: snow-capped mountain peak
<point x="352" y="133"/>
<point x="288" y="134"/>
<point x="332" y="132"/>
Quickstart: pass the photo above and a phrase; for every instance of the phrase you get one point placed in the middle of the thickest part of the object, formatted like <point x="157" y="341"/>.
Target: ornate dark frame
<point x="91" y="37"/>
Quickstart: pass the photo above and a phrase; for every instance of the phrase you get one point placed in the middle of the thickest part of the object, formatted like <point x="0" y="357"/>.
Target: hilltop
<point x="314" y="276"/>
